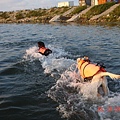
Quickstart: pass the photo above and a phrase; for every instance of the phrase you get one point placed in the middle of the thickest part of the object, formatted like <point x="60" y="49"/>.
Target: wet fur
<point x="101" y="81"/>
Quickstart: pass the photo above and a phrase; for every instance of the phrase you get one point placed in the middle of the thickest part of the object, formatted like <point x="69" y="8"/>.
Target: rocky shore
<point x="45" y="15"/>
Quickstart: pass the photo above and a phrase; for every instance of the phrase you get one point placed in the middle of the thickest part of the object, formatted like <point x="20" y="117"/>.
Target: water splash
<point x="111" y="109"/>
<point x="55" y="62"/>
<point x="67" y="93"/>
<point x="79" y="100"/>
<point x="32" y="54"/>
<point x="76" y="100"/>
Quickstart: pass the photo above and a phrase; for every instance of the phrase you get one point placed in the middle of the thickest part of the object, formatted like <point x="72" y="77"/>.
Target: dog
<point x="43" y="50"/>
<point x="95" y="74"/>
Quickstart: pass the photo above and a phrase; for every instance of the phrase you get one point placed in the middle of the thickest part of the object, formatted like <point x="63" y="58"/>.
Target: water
<point x="35" y="87"/>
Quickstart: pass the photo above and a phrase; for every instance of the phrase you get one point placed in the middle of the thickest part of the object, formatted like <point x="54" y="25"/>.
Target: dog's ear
<point x="78" y="60"/>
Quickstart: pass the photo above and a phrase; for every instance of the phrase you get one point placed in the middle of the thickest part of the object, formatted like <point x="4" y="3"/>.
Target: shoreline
<point x="45" y="15"/>
<point x="109" y="24"/>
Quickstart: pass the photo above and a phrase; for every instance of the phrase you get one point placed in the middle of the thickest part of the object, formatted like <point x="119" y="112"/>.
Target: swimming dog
<point x="95" y="74"/>
<point x="43" y="50"/>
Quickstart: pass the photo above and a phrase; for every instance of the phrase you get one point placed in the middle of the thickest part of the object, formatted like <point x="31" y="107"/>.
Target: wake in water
<point x="79" y="101"/>
<point x="76" y="100"/>
<point x="72" y="102"/>
<point x="54" y="63"/>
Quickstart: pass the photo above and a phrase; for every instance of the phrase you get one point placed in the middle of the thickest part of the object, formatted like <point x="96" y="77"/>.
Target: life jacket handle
<point x="100" y="64"/>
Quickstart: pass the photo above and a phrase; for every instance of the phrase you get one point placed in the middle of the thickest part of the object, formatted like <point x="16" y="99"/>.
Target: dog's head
<point x="81" y="60"/>
<point x="78" y="60"/>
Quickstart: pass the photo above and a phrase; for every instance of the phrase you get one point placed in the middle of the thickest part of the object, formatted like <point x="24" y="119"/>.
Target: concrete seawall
<point x="77" y="16"/>
<point x="57" y="17"/>
<point x="105" y="12"/>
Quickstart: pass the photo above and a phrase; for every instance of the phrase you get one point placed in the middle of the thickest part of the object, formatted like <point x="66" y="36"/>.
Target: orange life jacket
<point x="42" y="50"/>
<point x="88" y="69"/>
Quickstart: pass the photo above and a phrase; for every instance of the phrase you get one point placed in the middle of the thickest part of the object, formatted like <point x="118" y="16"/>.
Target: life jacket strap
<point x="84" y="69"/>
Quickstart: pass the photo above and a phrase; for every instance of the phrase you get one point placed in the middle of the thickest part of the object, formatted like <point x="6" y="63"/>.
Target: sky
<point x="13" y="5"/>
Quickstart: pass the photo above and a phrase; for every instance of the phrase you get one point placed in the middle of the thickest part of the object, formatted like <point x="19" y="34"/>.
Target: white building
<point x="94" y="2"/>
<point x="66" y="4"/>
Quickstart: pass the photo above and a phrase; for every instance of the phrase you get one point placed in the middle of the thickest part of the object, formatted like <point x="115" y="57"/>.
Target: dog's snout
<point x="78" y="60"/>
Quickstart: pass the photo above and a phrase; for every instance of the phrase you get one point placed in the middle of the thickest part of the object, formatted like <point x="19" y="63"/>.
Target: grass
<point x="98" y="9"/>
<point x="36" y="13"/>
<point x="78" y="10"/>
<point x="4" y="15"/>
<point x="19" y="15"/>
<point x="47" y="14"/>
<point x="113" y="16"/>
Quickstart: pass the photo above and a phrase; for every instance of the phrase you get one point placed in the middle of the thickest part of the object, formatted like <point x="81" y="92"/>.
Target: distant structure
<point x="84" y="2"/>
<point x="66" y="4"/>
<point x="95" y="2"/>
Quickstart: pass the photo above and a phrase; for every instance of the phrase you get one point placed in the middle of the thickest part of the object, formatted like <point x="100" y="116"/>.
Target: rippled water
<point x="34" y="87"/>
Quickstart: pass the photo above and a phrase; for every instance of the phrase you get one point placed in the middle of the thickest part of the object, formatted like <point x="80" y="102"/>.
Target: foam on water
<point x="31" y="54"/>
<point x="54" y="62"/>
<point x="77" y="100"/>
<point x="110" y="110"/>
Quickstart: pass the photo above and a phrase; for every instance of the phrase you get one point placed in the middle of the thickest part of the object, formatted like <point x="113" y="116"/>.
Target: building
<point x="84" y="2"/>
<point x="66" y="4"/>
<point x="95" y="2"/>
<point x="101" y="1"/>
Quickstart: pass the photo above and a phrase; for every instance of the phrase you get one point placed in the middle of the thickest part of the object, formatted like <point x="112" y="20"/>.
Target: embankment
<point x="45" y="15"/>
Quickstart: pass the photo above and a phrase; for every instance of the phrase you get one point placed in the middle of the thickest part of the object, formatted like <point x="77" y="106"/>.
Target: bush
<point x="4" y="15"/>
<point x="79" y="9"/>
<point x="98" y="9"/>
<point x="116" y="12"/>
<point x="19" y="15"/>
<point x="113" y="16"/>
<point x="60" y="10"/>
<point x="34" y="13"/>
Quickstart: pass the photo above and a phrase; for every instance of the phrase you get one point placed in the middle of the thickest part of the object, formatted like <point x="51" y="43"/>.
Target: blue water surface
<point x="24" y="82"/>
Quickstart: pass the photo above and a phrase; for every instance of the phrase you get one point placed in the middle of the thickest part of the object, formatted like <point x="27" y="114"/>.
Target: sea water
<point x="36" y="87"/>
